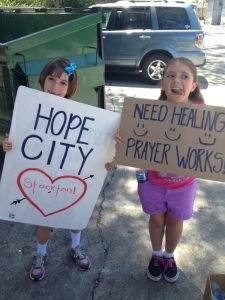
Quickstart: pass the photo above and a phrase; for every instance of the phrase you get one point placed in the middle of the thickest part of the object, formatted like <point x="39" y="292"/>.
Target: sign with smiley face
<point x="184" y="139"/>
<point x="55" y="171"/>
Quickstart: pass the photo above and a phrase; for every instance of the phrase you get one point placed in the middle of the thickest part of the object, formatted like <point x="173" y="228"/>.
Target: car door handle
<point x="144" y="37"/>
<point x="104" y="37"/>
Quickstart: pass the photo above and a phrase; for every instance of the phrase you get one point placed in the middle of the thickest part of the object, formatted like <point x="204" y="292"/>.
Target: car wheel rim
<point x="155" y="69"/>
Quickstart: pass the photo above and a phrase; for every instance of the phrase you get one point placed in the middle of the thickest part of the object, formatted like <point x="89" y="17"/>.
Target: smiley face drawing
<point x="208" y="140"/>
<point x="140" y="130"/>
<point x="172" y="135"/>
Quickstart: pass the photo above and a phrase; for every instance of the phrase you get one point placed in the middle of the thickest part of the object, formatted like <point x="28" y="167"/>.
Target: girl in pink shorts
<point x="169" y="198"/>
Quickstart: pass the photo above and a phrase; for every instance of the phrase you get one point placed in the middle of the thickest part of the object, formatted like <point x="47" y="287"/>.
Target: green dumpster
<point x="29" y="38"/>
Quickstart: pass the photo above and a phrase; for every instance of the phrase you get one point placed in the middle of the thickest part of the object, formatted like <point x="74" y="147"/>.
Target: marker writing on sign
<point x="59" y="124"/>
<point x="199" y="119"/>
<point x="149" y="151"/>
<point x="201" y="160"/>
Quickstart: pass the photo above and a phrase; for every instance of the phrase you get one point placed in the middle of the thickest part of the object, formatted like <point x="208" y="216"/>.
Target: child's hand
<point x="110" y="165"/>
<point x="7" y="145"/>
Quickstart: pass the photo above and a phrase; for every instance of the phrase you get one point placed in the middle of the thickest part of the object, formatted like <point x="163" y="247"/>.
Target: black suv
<point x="143" y="36"/>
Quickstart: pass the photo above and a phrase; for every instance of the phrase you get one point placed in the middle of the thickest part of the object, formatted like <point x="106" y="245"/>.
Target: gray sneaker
<point x="37" y="271"/>
<point x="80" y="258"/>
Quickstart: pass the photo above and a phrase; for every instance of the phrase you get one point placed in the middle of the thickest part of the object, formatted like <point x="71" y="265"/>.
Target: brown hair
<point x="56" y="67"/>
<point x="196" y="95"/>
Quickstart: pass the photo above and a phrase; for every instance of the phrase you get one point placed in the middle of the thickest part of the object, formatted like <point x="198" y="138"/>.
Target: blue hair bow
<point x="70" y="68"/>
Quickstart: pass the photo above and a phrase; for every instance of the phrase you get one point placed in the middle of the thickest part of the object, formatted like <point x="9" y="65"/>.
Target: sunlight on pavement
<point x="213" y="95"/>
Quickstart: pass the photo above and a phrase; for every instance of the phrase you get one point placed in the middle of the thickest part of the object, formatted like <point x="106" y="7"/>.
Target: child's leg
<point x="152" y="198"/>
<point x="75" y="238"/>
<point x="179" y="208"/>
<point x="156" y="230"/>
<point x="174" y="229"/>
<point x="43" y="234"/>
<point x="37" y="271"/>
<point x="180" y="204"/>
<point x="77" y="252"/>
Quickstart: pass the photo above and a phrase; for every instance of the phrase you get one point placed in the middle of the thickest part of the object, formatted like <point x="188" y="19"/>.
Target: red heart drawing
<point x="39" y="204"/>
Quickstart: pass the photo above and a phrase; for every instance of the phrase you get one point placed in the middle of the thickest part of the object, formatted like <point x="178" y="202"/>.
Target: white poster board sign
<point x="55" y="171"/>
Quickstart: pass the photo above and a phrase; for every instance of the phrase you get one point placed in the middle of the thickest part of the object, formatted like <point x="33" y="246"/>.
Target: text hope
<point x="59" y="123"/>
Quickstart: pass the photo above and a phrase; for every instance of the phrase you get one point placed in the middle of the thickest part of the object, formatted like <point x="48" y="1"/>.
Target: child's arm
<point x="110" y="165"/>
<point x="7" y="145"/>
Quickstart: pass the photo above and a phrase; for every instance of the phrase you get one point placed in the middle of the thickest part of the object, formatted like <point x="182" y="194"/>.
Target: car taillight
<point x="199" y="40"/>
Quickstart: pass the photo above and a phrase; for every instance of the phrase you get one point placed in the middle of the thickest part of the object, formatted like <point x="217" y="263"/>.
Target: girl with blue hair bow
<point x="59" y="78"/>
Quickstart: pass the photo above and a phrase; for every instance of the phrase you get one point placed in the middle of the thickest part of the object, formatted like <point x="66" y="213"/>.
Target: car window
<point x="106" y="13"/>
<point x="172" y="18"/>
<point x="132" y="18"/>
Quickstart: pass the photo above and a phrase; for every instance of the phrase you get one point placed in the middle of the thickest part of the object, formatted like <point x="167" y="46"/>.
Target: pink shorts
<point x="178" y="203"/>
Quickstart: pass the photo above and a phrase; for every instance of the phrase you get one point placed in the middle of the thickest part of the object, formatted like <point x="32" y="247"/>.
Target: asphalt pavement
<point x="117" y="241"/>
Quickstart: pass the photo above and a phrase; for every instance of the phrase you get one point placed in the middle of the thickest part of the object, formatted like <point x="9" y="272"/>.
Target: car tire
<point x="153" y="66"/>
